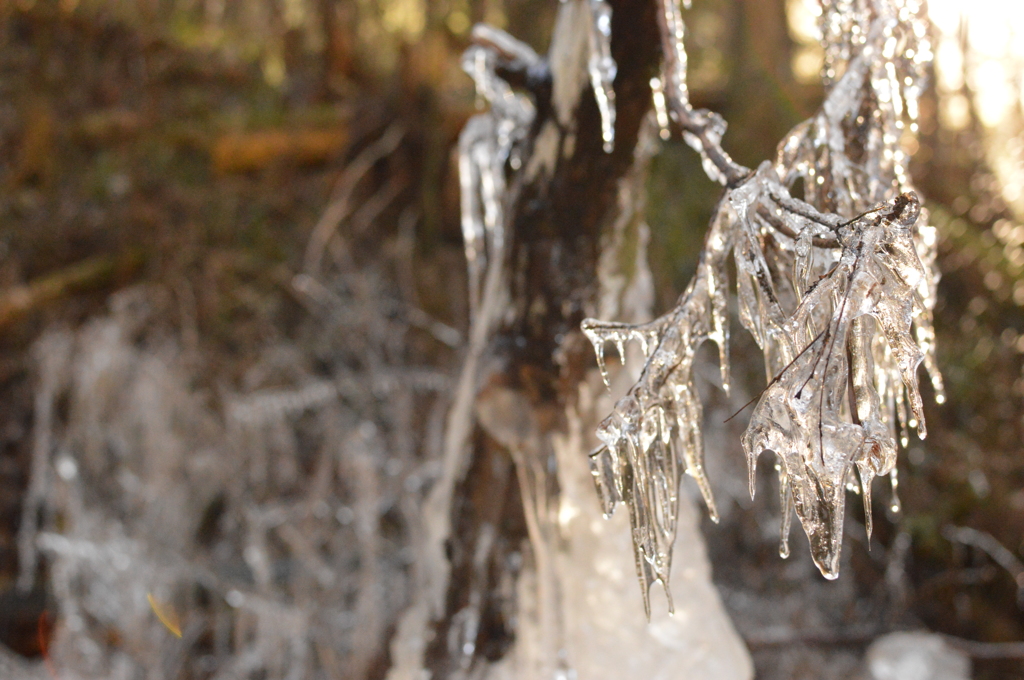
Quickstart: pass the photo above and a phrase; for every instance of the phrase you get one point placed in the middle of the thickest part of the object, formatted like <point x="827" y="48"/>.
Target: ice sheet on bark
<point x="607" y="633"/>
<point x="837" y="290"/>
<point x="486" y="146"/>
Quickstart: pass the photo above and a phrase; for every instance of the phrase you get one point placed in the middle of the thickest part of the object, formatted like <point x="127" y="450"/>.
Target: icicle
<point x="473" y="234"/>
<point x="675" y="77"/>
<point x="803" y="261"/>
<point x="485" y="145"/>
<point x="902" y="418"/>
<point x="602" y="68"/>
<point x="602" y="467"/>
<point x="785" y="508"/>
<point x="599" y="349"/>
<point x="718" y="282"/>
<point x="865" y="485"/>
<point x="690" y="415"/>
<point x="645" y="345"/>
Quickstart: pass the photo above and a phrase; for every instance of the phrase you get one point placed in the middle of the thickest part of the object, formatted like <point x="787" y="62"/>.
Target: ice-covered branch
<point x="653" y="435"/>
<point x="821" y="413"/>
<point x="702" y="129"/>
<point x="837" y="289"/>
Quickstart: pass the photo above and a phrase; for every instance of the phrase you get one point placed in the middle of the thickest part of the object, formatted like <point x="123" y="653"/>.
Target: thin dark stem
<point x="779" y="225"/>
<point x="987" y="650"/>
<point x="779" y="376"/>
<point x="699" y="123"/>
<point x="809" y="212"/>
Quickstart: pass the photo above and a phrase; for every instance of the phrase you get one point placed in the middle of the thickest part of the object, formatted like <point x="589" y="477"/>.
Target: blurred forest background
<point x="233" y="299"/>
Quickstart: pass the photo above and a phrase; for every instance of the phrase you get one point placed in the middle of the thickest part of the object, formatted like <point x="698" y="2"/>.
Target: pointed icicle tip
<point x="599" y="351"/>
<point x="865" y="485"/>
<point x="752" y="474"/>
<point x="827" y="561"/>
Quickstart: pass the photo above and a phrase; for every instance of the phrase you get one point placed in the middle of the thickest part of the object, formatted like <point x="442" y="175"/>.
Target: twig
<point x="363" y="218"/>
<point x="698" y="124"/>
<point x="341" y="197"/>
<point x="824" y="638"/>
<point x="91" y="273"/>
<point x="994" y="549"/>
<point x="777" y="223"/>
<point x="829" y="638"/>
<point x="807" y="211"/>
<point x="778" y="377"/>
<point x="987" y="650"/>
<point x="510" y="51"/>
<point x="52" y="354"/>
<point x="440" y="330"/>
<point x="515" y="62"/>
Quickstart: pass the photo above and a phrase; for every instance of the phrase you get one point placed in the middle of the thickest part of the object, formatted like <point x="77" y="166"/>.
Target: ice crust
<point x="837" y="289"/>
<point x="485" y="147"/>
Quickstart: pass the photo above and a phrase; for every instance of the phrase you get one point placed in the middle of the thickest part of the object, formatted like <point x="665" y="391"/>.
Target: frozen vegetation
<point x="837" y="287"/>
<point x="825" y="250"/>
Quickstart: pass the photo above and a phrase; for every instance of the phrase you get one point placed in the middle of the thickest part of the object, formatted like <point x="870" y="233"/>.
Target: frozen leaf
<point x="821" y="413"/>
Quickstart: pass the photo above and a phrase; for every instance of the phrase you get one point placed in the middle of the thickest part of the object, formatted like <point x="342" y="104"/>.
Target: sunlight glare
<point x="994" y="32"/>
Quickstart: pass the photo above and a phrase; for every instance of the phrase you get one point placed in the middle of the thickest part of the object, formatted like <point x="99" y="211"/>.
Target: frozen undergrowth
<point x="266" y="524"/>
<point x="837" y="289"/>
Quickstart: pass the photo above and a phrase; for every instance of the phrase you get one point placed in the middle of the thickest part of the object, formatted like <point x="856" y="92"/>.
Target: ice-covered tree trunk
<point x="518" y="576"/>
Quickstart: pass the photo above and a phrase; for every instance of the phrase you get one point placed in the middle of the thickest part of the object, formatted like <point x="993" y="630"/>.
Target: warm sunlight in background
<point x="979" y="69"/>
<point x="979" y="74"/>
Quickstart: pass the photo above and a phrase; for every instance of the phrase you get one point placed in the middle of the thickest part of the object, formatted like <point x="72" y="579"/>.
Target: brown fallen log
<point x="88" y="274"/>
<point x="248" y="151"/>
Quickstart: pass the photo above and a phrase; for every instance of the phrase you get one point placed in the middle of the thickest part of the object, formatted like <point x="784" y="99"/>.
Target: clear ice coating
<point x="837" y="289"/>
<point x="602" y="68"/>
<point x="486" y="144"/>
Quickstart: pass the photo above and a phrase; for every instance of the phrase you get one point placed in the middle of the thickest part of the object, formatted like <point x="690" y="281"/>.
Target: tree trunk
<point x="519" y="576"/>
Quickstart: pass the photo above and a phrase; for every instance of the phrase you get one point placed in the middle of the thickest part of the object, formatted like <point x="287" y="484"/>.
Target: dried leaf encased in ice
<point x="841" y="308"/>
<point x="821" y="413"/>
